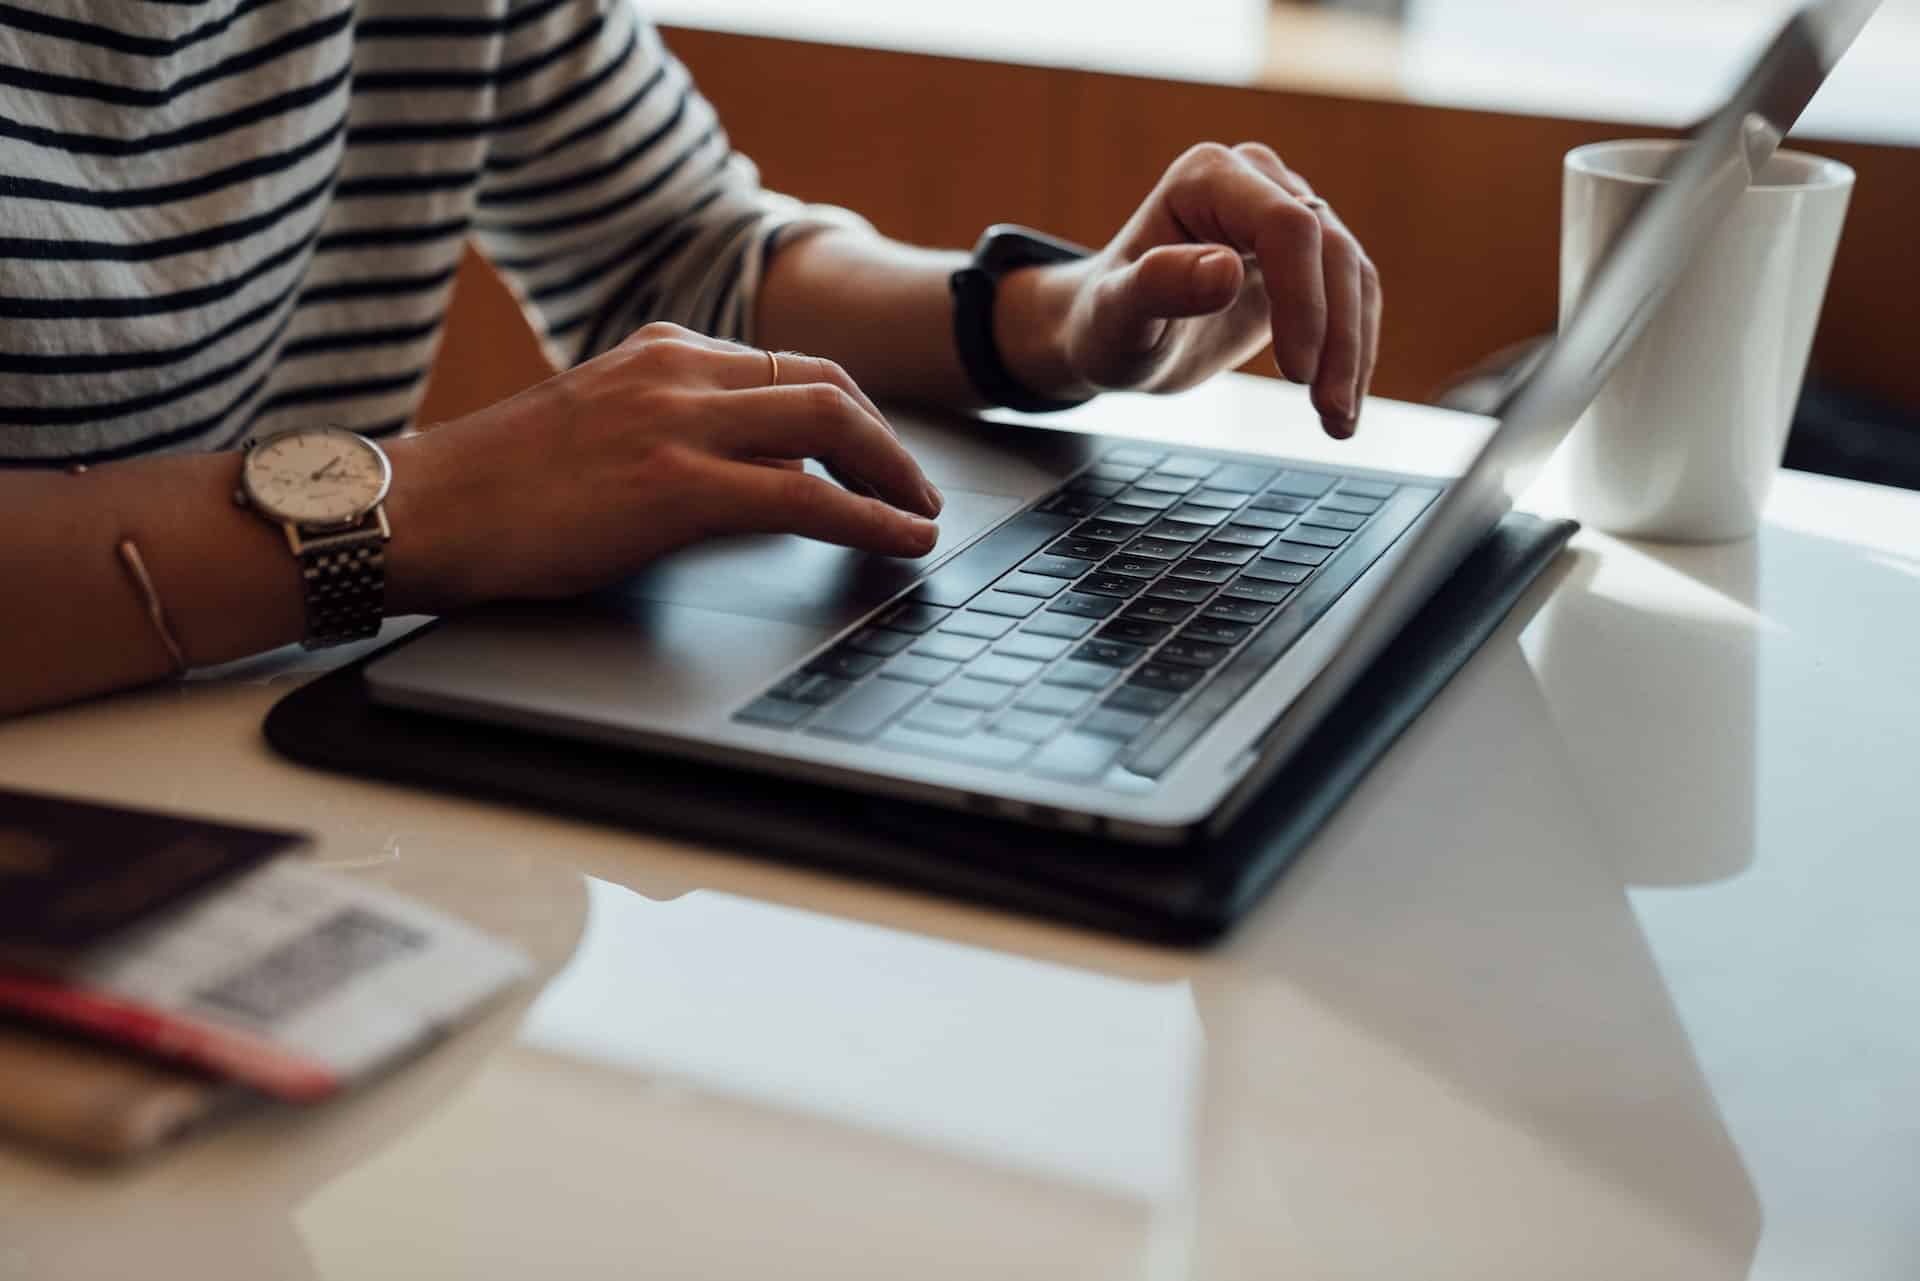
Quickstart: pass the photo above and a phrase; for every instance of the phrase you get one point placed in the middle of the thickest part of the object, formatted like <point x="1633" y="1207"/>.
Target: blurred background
<point x="1435" y="126"/>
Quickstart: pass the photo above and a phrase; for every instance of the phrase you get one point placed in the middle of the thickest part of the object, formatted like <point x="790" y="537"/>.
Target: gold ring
<point x="773" y="365"/>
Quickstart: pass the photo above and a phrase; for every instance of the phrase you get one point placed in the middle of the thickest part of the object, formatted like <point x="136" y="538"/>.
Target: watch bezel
<point x="263" y="504"/>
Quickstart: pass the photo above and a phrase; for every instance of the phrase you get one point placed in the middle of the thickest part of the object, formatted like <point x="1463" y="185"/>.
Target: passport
<point x="74" y="873"/>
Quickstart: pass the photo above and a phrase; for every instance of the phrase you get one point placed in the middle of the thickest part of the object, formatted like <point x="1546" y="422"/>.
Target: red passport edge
<point x="250" y="1060"/>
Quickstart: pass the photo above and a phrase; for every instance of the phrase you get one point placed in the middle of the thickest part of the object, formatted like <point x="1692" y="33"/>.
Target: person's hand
<point x="1231" y="248"/>
<point x="668" y="439"/>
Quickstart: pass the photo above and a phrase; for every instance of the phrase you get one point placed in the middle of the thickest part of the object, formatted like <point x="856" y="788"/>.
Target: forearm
<point x="75" y="623"/>
<point x="883" y="310"/>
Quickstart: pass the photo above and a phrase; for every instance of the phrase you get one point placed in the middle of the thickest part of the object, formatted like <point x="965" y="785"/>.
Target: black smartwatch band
<point x="1002" y="248"/>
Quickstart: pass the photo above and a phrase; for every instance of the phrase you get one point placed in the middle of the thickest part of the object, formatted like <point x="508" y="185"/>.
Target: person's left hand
<point x="1230" y="249"/>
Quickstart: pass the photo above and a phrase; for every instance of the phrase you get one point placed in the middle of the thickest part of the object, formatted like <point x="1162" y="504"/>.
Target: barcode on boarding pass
<point x="310" y="966"/>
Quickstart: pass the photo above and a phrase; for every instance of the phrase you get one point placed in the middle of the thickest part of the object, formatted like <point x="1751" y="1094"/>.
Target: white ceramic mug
<point x="1684" y="439"/>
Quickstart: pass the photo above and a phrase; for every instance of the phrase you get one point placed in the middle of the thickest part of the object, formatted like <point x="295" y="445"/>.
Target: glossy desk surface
<point x="1609" y="970"/>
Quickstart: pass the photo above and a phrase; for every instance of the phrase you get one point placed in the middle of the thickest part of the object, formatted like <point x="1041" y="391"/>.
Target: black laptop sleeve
<point x="1190" y="895"/>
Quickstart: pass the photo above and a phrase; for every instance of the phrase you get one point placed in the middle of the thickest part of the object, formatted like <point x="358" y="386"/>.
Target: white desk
<point x="1609" y="970"/>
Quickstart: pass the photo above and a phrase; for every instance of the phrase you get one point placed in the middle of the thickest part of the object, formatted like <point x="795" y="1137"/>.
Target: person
<point x="225" y="219"/>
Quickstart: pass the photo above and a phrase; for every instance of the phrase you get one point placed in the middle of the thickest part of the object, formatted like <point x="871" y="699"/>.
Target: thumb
<point x="1168" y="283"/>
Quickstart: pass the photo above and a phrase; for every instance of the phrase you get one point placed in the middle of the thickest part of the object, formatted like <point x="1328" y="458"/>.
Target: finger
<point x="796" y="367"/>
<point x="1218" y="195"/>
<point x="1371" y="303"/>
<point x="821" y="420"/>
<point x="1131" y="307"/>
<point x="1336" y="386"/>
<point x="745" y="499"/>
<point x="1267" y="161"/>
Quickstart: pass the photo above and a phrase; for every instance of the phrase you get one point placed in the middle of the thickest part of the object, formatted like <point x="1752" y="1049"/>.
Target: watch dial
<point x="315" y="477"/>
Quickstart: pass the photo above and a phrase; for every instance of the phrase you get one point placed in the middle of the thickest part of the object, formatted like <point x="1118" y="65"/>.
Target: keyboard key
<point x="861" y="713"/>
<point x="1121" y="514"/>
<point x="1140" y="699"/>
<point x="1077" y="548"/>
<point x="1259" y="518"/>
<point x="1351" y="503"/>
<point x="1003" y="669"/>
<point x="1314" y="535"/>
<point x="1138" y="497"/>
<point x="920" y="669"/>
<point x="910" y="617"/>
<point x="954" y="649"/>
<point x="1278" y="503"/>
<point x="1127" y="565"/>
<point x="973" y="749"/>
<point x="1230" y="609"/>
<point x="1025" y="645"/>
<point x="1193" y="515"/>
<point x="1242" y="536"/>
<point x="1213" y="631"/>
<point x="807" y="687"/>
<point x="1080" y="605"/>
<point x="985" y="626"/>
<point x="1254" y="590"/>
<point x="1028" y="727"/>
<point x="1054" y="700"/>
<point x="1115" y="471"/>
<point x="1072" y="504"/>
<point x="774" y="711"/>
<point x="878" y="640"/>
<point x="1367" y="488"/>
<point x="1278" y="571"/>
<point x="1162" y="676"/>
<point x="1174" y="531"/>
<point x="1191" y="465"/>
<point x="1112" y="531"/>
<point x="1185" y="593"/>
<point x="1025" y="584"/>
<point x="1157" y="548"/>
<point x="1077" y="675"/>
<point x="1051" y="566"/>
<point x="1109" y="653"/>
<point x="1225" y="553"/>
<point x="1135" y="631"/>
<point x="1097" y="486"/>
<point x="1161" y="483"/>
<point x="847" y="664"/>
<point x="1109" y="723"/>
<point x="1242" y="478"/>
<point x="1109" y="585"/>
<point x="955" y="582"/>
<point x="1296" y="553"/>
<point x="965" y="691"/>
<point x="1006" y="603"/>
<point x="1131" y="457"/>
<point x="1060" y="625"/>
<point x="1216" y="498"/>
<point x="1333" y="520"/>
<point x="1186" y="653"/>
<point x="1153" y="610"/>
<point x="1076" y="757"/>
<point x="1303" y="484"/>
<point x="1203" y="571"/>
<point x="943" y="718"/>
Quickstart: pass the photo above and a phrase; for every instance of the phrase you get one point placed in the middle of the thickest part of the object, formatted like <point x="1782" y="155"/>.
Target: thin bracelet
<point x="137" y="570"/>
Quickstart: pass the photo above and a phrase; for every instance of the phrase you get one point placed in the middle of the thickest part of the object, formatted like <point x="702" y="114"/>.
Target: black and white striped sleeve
<point x="611" y="196"/>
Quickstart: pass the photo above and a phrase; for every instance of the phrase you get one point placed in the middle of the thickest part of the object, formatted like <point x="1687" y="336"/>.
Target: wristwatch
<point x="326" y="487"/>
<point x="1002" y="248"/>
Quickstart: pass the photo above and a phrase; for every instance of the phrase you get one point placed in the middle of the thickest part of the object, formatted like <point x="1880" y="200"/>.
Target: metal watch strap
<point x="346" y="586"/>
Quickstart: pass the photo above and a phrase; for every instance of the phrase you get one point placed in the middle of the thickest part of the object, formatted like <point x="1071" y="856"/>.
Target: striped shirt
<point x="225" y="217"/>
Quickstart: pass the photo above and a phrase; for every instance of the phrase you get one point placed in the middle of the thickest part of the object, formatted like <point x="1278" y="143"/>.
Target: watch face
<point x="321" y="476"/>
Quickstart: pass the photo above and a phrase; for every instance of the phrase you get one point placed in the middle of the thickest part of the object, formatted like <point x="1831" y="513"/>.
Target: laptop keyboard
<point x="1098" y="635"/>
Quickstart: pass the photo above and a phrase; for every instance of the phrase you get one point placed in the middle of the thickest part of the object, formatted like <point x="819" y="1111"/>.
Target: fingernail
<point x="936" y="501"/>
<point x="1215" y="269"/>
<point x="925" y="532"/>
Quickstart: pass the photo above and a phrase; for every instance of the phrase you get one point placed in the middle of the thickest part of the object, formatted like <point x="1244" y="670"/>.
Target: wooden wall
<point x="1459" y="208"/>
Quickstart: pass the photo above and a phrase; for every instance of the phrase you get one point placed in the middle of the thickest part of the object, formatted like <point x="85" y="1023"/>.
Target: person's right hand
<point x="670" y="438"/>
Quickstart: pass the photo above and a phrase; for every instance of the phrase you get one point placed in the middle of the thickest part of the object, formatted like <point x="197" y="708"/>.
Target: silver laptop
<point x="1118" y="637"/>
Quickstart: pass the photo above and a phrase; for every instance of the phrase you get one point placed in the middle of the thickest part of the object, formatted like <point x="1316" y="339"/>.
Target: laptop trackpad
<point x="798" y="580"/>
